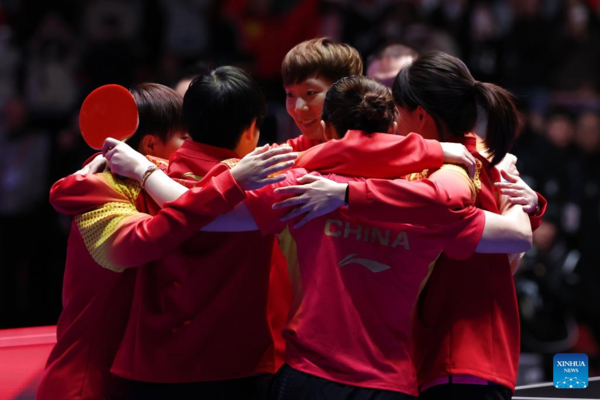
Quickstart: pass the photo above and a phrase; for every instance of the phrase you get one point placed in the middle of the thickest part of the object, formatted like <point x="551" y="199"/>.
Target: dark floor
<point x="548" y="391"/>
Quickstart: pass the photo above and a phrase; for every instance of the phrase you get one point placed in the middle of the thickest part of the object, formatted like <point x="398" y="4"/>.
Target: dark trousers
<point x="466" y="392"/>
<point x="291" y="384"/>
<point x="251" y="388"/>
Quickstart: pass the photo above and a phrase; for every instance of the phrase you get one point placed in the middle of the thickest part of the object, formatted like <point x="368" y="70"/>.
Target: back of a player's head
<point x="220" y="105"/>
<point x="443" y="86"/>
<point x="320" y="57"/>
<point x="159" y="110"/>
<point x="359" y="103"/>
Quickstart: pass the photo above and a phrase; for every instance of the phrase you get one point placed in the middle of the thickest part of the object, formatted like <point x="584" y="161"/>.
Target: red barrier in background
<point x="23" y="355"/>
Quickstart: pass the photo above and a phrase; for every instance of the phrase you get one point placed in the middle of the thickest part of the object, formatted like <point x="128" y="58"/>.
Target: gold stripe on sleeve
<point x="475" y="183"/>
<point x="97" y="226"/>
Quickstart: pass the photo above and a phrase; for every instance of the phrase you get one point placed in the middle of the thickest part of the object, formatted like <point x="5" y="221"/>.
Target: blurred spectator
<point x="452" y="17"/>
<point x="365" y="23"/>
<point x="69" y="150"/>
<point x="384" y="65"/>
<point x="268" y="29"/>
<point x="531" y="138"/>
<point x="24" y="154"/>
<point x="126" y="15"/>
<point x="484" y="54"/>
<point x="187" y="31"/>
<point x="110" y="55"/>
<point x="423" y="36"/>
<point x="24" y="160"/>
<point x="554" y="178"/>
<point x="588" y="201"/>
<point x="52" y="60"/>
<point x="332" y="20"/>
<point x="548" y="291"/>
<point x="527" y="46"/>
<point x="9" y="63"/>
<point x="588" y="133"/>
<point x="187" y="35"/>
<point x="576" y="52"/>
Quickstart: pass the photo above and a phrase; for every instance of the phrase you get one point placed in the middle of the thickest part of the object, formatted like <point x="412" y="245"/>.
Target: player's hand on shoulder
<point x="256" y="169"/>
<point x="456" y="153"/>
<point x="98" y="164"/>
<point x="316" y="196"/>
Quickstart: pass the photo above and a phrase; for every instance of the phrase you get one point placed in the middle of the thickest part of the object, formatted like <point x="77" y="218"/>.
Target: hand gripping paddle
<point x="108" y="111"/>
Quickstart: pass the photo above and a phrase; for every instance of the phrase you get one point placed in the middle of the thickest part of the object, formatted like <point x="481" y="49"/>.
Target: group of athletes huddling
<point x="369" y="258"/>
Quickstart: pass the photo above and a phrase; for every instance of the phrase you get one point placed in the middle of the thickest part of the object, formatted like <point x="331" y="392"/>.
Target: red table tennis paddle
<point x="109" y="111"/>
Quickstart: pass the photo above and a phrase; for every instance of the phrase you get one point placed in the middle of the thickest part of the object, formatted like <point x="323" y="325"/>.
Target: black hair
<point x="159" y="111"/>
<point x="220" y="105"/>
<point x="193" y="70"/>
<point x="359" y="103"/>
<point x="444" y="87"/>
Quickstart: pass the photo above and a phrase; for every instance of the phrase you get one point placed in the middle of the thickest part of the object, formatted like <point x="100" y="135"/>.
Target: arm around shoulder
<point x="439" y="199"/>
<point x="506" y="233"/>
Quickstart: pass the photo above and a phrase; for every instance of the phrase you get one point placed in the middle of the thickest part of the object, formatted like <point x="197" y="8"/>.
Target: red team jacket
<point x="355" y="282"/>
<point x="200" y="313"/>
<point x="164" y="342"/>
<point x="97" y="293"/>
<point x="467" y="319"/>
<point x="107" y="232"/>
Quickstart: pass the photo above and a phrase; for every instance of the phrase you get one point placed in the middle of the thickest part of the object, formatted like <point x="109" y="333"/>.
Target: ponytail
<point x="503" y="121"/>
<point x="444" y="87"/>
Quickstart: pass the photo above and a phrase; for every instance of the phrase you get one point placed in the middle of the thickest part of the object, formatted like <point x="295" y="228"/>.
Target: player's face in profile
<point x="417" y="121"/>
<point x="406" y="121"/>
<point x="304" y="103"/>
<point x="165" y="149"/>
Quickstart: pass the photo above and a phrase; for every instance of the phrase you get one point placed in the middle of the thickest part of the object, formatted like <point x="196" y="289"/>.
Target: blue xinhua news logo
<point x="570" y="371"/>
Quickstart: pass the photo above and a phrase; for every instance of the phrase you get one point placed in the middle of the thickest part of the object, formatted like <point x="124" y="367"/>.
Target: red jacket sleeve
<point x="376" y="155"/>
<point x="77" y="194"/>
<point x="437" y="200"/>
<point x="536" y="220"/>
<point x="142" y="238"/>
<point x="300" y="143"/>
<point x="260" y="204"/>
<point x="118" y="236"/>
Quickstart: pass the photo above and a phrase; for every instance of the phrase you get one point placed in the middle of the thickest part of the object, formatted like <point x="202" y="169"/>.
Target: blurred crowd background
<point x="52" y="54"/>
